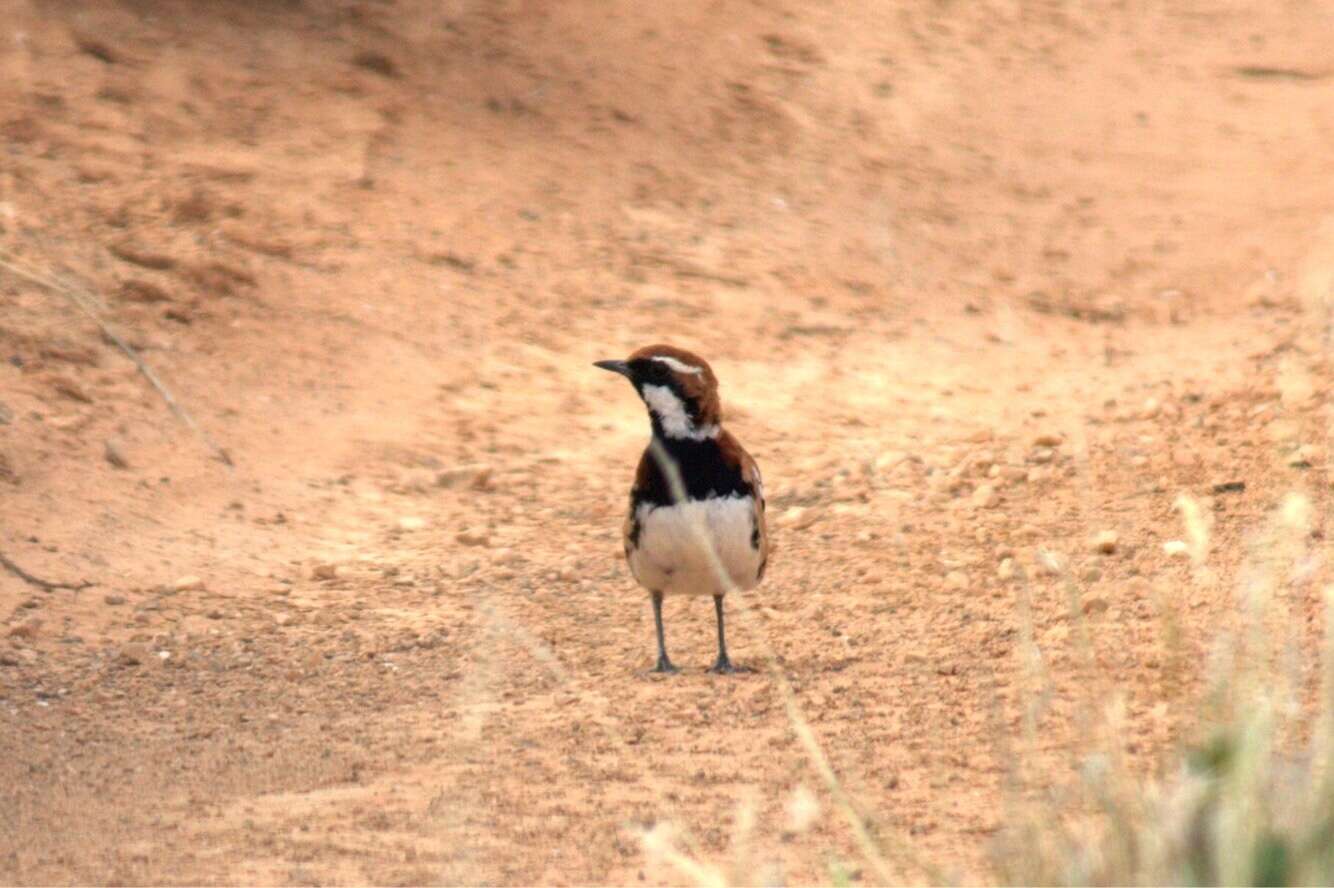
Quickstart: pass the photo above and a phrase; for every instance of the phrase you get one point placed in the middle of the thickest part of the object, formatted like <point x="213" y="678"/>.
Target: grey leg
<point x="664" y="664"/>
<point x="723" y="665"/>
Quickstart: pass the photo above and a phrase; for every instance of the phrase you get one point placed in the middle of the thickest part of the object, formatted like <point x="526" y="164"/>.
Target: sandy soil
<point x="981" y="280"/>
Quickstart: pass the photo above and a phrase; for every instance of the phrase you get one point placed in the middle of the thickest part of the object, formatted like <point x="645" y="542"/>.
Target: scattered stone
<point x="324" y="572"/>
<point x="1052" y="563"/>
<point x="1048" y="439"/>
<point x="797" y="517"/>
<point x="142" y="257"/>
<point x="1229" y="487"/>
<point x="96" y="48"/>
<point x="985" y="497"/>
<point x="416" y="480"/>
<point x="1281" y="431"/>
<point x="1106" y="542"/>
<point x="1006" y="570"/>
<point x="1139" y="460"/>
<point x="1042" y="455"/>
<point x="1095" y="605"/>
<point x="27" y="629"/>
<point x="144" y="292"/>
<point x="132" y="654"/>
<point x="115" y="453"/>
<point x="411" y="522"/>
<point x="1091" y="574"/>
<point x="189" y="583"/>
<point x="956" y="579"/>
<point x="1057" y="634"/>
<point x="890" y="460"/>
<point x="70" y="389"/>
<point x="473" y="537"/>
<point x="1037" y="475"/>
<point x="1306" y="456"/>
<point x="27" y="655"/>
<point x="376" y="62"/>
<point x="114" y="600"/>
<point x="1185" y="457"/>
<point x="1175" y="549"/>
<point x="474" y="476"/>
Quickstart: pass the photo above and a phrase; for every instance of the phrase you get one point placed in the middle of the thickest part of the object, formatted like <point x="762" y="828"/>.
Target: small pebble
<point x="1006" y="569"/>
<point x="475" y="476"/>
<point x="114" y="599"/>
<point x="1051" y="562"/>
<point x="411" y="522"/>
<point x="985" y="497"/>
<point x="1306" y="456"/>
<point x="132" y="655"/>
<point x="189" y="583"/>
<point x="1095" y="605"/>
<point x="473" y="538"/>
<point x="1175" y="548"/>
<point x="114" y="452"/>
<point x="1105" y="542"/>
<point x="797" y="517"/>
<point x="1185" y="457"/>
<point x="324" y="572"/>
<point x="956" y="579"/>
<point x="1047" y="439"/>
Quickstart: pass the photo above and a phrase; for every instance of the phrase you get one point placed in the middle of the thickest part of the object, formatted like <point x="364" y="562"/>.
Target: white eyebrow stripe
<point x="678" y="366"/>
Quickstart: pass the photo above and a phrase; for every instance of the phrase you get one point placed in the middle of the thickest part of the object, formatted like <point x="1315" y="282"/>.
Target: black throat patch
<point x="704" y="472"/>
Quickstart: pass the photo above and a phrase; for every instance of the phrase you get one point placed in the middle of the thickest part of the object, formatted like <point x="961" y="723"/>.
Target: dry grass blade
<point x="868" y="838"/>
<point x="1247" y="803"/>
<point x="85" y="303"/>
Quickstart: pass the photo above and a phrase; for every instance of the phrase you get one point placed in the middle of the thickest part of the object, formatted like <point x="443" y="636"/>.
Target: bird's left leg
<point x="723" y="665"/>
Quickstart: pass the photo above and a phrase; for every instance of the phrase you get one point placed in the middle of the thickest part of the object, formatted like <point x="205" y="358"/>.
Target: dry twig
<point x="86" y="304"/>
<point x="46" y="585"/>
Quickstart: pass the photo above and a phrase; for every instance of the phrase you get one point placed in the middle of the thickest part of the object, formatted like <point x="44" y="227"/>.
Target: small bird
<point x="696" y="488"/>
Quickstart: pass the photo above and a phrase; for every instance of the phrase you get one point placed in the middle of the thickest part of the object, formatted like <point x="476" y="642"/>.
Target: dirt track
<point x="979" y="279"/>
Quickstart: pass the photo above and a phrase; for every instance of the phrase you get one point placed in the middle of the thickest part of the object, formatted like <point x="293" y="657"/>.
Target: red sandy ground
<point x="979" y="279"/>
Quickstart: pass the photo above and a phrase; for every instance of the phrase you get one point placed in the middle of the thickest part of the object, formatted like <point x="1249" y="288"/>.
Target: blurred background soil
<point x="981" y="280"/>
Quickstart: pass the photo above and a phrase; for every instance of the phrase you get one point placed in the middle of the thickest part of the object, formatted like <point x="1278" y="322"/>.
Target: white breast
<point x="669" y="557"/>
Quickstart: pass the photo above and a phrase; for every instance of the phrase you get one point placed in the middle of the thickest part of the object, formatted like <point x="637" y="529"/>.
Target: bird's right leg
<point x="664" y="664"/>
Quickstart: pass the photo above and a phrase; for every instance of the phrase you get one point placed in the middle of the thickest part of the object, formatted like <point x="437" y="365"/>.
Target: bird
<point x="696" y="489"/>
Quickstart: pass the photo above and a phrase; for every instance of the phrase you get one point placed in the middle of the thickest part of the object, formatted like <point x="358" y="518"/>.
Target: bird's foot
<point x="724" y="666"/>
<point x="665" y="666"/>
